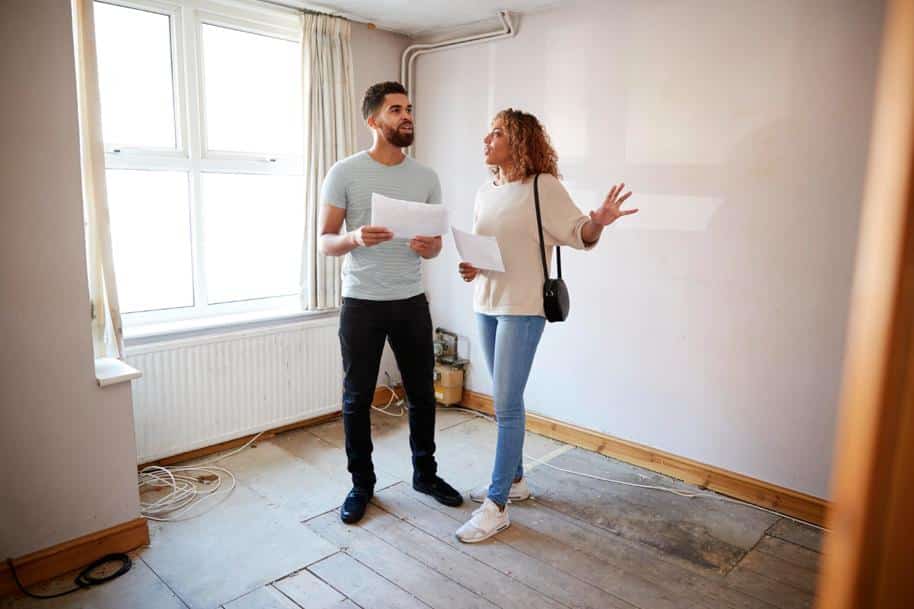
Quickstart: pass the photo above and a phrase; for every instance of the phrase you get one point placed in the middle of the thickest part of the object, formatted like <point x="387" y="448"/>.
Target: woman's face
<point x="497" y="150"/>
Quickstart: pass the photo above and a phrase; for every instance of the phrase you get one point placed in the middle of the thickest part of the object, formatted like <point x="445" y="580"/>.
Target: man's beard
<point x="395" y="137"/>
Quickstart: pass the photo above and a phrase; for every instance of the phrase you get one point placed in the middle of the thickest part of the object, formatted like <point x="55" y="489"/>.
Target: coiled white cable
<point x="190" y="486"/>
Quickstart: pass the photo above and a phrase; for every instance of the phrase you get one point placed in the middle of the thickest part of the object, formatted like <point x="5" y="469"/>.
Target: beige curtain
<point x="329" y="137"/>
<point x="107" y="328"/>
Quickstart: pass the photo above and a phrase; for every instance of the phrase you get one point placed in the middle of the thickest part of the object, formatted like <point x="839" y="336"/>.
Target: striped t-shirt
<point x="389" y="270"/>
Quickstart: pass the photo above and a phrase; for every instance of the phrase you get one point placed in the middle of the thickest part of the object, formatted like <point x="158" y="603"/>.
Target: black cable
<point x="85" y="579"/>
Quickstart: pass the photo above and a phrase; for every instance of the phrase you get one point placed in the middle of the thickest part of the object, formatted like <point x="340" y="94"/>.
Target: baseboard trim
<point x="238" y="442"/>
<point x="381" y="397"/>
<point x="757" y="492"/>
<point x="71" y="555"/>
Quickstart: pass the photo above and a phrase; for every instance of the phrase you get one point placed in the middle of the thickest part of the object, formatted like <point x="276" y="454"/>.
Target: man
<point x="382" y="293"/>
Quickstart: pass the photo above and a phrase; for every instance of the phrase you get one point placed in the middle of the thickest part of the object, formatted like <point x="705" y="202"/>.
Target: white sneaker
<point x="487" y="520"/>
<point x="519" y="492"/>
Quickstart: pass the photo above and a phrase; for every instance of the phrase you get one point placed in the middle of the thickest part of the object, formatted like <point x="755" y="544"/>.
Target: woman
<point x="509" y="305"/>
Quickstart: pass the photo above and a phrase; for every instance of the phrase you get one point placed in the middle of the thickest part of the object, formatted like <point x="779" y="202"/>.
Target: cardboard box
<point x="448" y="384"/>
<point x="448" y="395"/>
<point x="448" y="376"/>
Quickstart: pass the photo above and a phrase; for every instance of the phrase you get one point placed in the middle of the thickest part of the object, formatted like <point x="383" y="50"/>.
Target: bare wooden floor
<point x="278" y="543"/>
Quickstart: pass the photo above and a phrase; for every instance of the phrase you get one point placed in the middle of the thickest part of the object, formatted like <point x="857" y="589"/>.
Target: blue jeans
<point x="509" y="343"/>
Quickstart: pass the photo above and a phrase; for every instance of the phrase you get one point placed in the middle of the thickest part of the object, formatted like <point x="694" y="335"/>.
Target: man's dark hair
<point x="374" y="96"/>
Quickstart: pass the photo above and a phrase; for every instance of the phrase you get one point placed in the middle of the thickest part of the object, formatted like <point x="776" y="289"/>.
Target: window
<point x="202" y="123"/>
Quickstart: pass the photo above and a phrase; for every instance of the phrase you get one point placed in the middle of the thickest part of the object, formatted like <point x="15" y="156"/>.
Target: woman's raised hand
<point x="611" y="210"/>
<point x="467" y="271"/>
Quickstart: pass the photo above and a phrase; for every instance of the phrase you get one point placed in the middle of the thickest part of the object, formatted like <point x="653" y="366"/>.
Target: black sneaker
<point x="439" y="489"/>
<point x="355" y="504"/>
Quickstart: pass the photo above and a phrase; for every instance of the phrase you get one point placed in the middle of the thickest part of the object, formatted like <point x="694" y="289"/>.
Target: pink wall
<point x="67" y="446"/>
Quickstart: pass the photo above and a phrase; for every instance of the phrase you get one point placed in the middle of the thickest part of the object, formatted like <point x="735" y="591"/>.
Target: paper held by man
<point x="408" y="219"/>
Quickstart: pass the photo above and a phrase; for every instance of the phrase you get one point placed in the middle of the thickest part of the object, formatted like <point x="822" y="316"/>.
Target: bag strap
<point x="539" y="224"/>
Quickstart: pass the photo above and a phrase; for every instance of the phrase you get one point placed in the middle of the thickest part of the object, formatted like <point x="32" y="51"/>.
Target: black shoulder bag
<point x="555" y="293"/>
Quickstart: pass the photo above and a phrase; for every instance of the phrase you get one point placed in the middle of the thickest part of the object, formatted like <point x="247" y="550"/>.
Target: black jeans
<point x="407" y="325"/>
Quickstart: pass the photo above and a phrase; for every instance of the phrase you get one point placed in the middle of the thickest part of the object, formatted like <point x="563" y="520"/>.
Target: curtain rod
<point x="315" y="11"/>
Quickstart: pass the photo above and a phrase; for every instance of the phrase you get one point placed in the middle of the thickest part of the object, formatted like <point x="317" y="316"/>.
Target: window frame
<point x="190" y="155"/>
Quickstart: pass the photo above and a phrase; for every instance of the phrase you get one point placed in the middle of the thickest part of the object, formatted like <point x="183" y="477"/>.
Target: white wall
<point x="376" y="58"/>
<point x="711" y="325"/>
<point x="67" y="447"/>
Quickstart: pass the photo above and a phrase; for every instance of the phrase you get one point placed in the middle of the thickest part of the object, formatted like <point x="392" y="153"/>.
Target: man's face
<point x="395" y="120"/>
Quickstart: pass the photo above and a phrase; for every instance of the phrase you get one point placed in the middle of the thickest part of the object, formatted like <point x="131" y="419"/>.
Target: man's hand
<point x="427" y="247"/>
<point x="368" y="236"/>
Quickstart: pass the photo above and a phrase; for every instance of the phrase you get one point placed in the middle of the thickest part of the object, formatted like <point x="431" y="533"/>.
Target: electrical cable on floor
<point x="393" y="401"/>
<point x="680" y="493"/>
<point x="84" y="580"/>
<point x="190" y="486"/>
<point x="686" y="494"/>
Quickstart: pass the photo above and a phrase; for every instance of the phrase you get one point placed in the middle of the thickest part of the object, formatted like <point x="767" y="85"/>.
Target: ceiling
<point x="421" y="17"/>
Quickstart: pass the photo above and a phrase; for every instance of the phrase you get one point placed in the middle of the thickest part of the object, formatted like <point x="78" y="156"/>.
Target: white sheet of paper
<point x="408" y="219"/>
<point x="480" y="251"/>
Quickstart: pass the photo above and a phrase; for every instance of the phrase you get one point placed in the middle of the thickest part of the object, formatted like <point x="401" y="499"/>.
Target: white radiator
<point x="200" y="391"/>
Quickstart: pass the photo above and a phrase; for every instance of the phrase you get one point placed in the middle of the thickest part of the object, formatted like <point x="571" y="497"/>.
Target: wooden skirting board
<point x="74" y="554"/>
<point x="793" y="503"/>
<point x="239" y="442"/>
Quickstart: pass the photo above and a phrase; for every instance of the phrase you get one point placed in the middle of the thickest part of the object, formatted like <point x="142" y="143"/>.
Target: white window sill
<point x="153" y="333"/>
<point x="111" y="371"/>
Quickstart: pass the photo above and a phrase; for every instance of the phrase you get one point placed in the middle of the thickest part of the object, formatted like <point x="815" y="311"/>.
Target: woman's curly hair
<point x="531" y="150"/>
